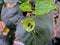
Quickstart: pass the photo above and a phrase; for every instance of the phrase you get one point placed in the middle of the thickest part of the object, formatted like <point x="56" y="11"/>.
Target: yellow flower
<point x="6" y="29"/>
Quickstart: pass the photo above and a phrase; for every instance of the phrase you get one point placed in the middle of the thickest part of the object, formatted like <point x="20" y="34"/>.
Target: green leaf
<point x="42" y="32"/>
<point x="44" y="7"/>
<point x="49" y="1"/>
<point x="26" y="7"/>
<point x="28" y="24"/>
